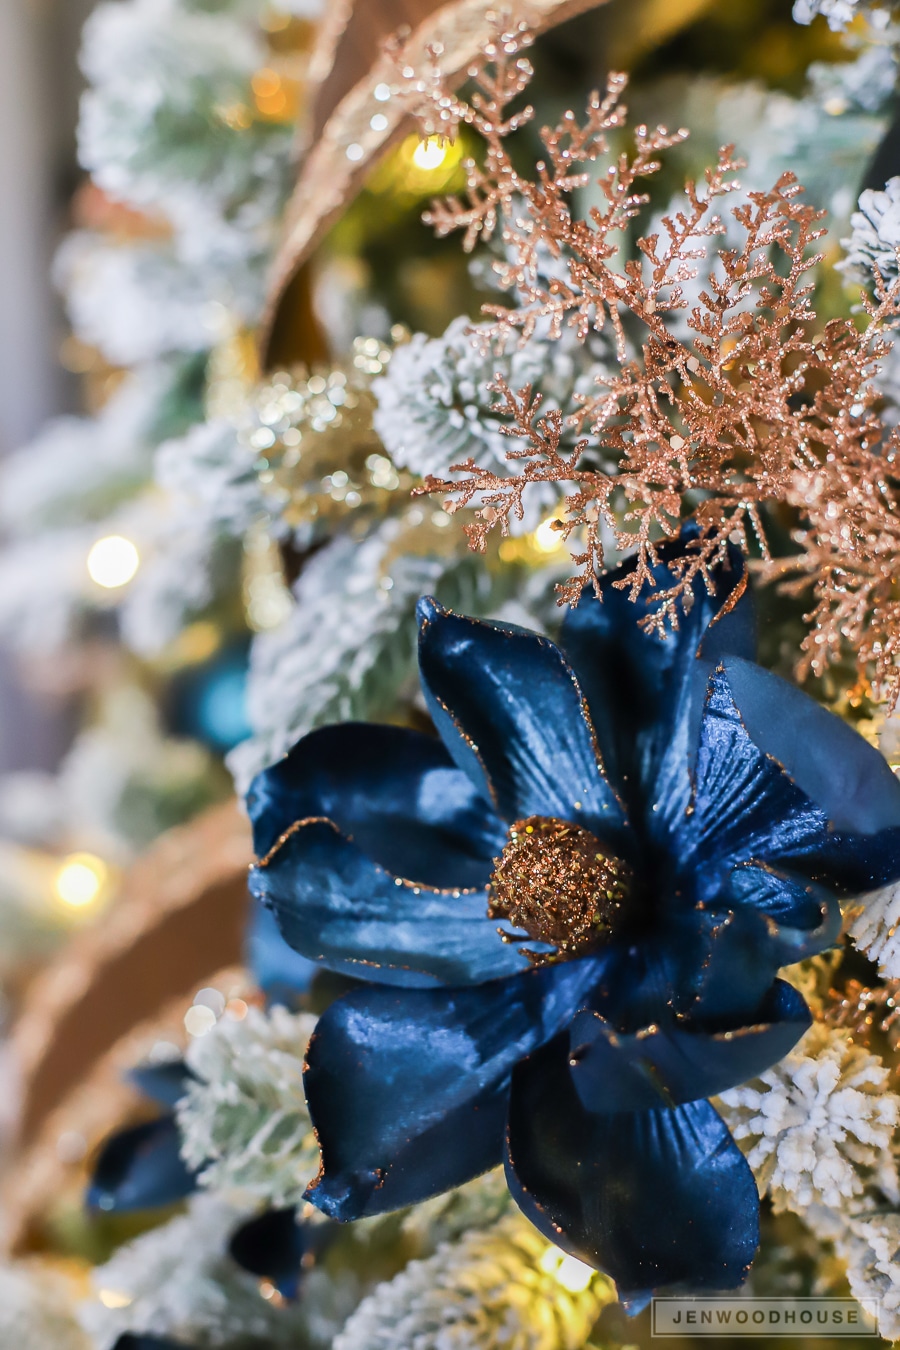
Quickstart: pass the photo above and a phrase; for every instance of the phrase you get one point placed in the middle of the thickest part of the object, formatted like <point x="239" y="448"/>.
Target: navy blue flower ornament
<point x="568" y="913"/>
<point x="140" y="1168"/>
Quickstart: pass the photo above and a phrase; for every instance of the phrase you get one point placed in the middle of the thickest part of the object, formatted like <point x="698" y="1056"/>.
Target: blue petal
<point x="272" y="1246"/>
<point x="408" y="1090"/>
<point x="704" y="962"/>
<point x="511" y="712"/>
<point x="747" y="808"/>
<point x="744" y="949"/>
<point x="743" y="956"/>
<point x="803" y="918"/>
<point x="659" y="1199"/>
<point x="141" y="1168"/>
<point x="396" y="792"/>
<point x="658" y="973"/>
<point x="715" y="962"/>
<point x="336" y="906"/>
<point x="831" y="763"/>
<point x="280" y="972"/>
<point x="163" y="1083"/>
<point x="679" y="1062"/>
<point x="744" y="806"/>
<point x="638" y="685"/>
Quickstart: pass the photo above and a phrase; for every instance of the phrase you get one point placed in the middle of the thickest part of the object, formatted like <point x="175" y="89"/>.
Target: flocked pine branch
<point x="750" y="403"/>
<point x="817" y="1127"/>
<point x="819" y="1131"/>
<point x="244" y="1122"/>
<point x="875" y="929"/>
<point x="178" y="1281"/>
<point x="494" y="1289"/>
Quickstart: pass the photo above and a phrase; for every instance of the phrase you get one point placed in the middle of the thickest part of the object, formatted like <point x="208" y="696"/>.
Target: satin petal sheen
<point x="660" y="1199"/>
<point x="665" y="1066"/>
<point x="511" y="712"/>
<point x="279" y="971"/>
<point x="395" y="791"/>
<point x="336" y="906"/>
<point x="747" y="808"/>
<point x="803" y="918"/>
<point x="831" y="763"/>
<point x="637" y="683"/>
<point x="141" y="1168"/>
<point x="408" y="1089"/>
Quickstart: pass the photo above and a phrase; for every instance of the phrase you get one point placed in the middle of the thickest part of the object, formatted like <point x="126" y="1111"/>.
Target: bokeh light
<point x="80" y="880"/>
<point x="429" y="155"/>
<point x="568" y="1271"/>
<point x="546" y="538"/>
<point x="198" y="1020"/>
<point x="113" y="561"/>
<point x="114" y="1298"/>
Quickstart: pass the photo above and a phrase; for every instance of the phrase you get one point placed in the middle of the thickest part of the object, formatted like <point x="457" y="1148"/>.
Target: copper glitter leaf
<point x="744" y="403"/>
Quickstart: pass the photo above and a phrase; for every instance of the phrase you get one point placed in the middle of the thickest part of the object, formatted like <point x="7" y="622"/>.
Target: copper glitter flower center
<point x="554" y="881"/>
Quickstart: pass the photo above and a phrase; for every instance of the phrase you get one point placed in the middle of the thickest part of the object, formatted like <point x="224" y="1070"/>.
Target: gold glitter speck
<point x="555" y="881"/>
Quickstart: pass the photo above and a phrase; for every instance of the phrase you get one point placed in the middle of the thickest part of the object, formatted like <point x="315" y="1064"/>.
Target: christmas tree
<point x="486" y="499"/>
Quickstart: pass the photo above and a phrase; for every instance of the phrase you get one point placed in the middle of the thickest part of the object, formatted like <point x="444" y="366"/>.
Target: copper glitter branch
<point x="848" y="498"/>
<point x="741" y="405"/>
<point x="501" y="497"/>
<point x="502" y="78"/>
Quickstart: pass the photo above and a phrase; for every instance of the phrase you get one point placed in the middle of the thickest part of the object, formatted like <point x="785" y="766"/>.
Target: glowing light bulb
<point x="80" y="880"/>
<point x="112" y="1298"/>
<point x="568" y="1271"/>
<point x="113" y="561"/>
<point x="546" y="539"/>
<point x="574" y="1275"/>
<point x="430" y="154"/>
